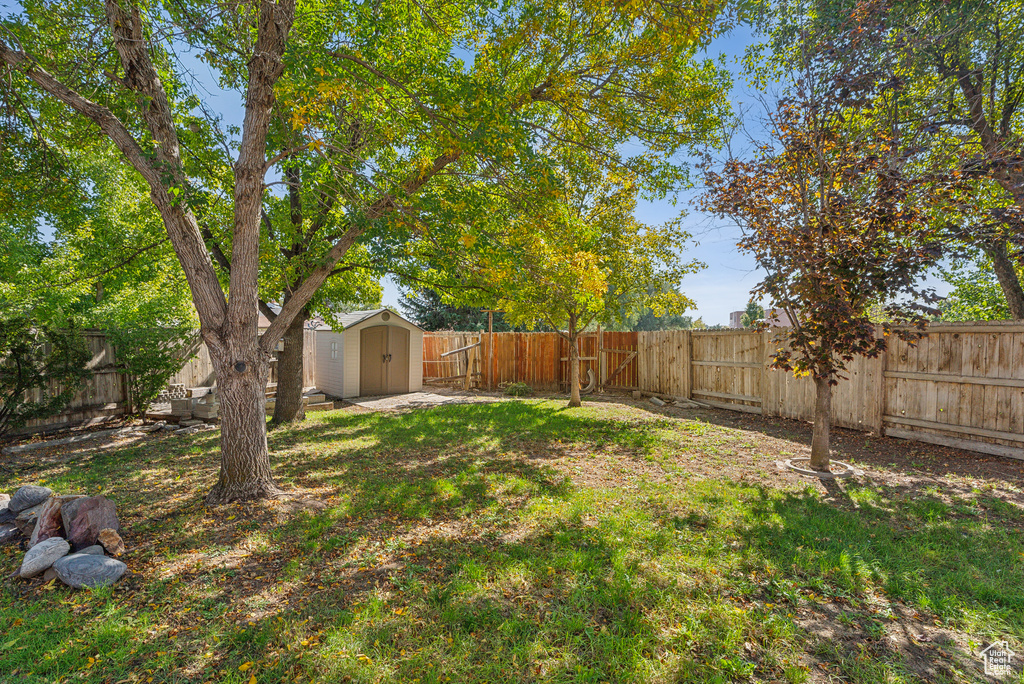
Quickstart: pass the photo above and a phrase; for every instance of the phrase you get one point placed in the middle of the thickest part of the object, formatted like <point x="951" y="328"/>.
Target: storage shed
<point x="377" y="352"/>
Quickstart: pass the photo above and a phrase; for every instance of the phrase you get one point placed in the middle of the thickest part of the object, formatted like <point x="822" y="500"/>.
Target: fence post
<point x="687" y="365"/>
<point x="880" y="399"/>
<point x="766" y="374"/>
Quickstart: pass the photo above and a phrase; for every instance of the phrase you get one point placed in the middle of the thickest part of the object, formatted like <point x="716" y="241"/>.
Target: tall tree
<point x="583" y="259"/>
<point x="836" y="209"/>
<point x="596" y="75"/>
<point x="963" y="64"/>
<point x="428" y="310"/>
<point x="752" y="314"/>
<point x="976" y="294"/>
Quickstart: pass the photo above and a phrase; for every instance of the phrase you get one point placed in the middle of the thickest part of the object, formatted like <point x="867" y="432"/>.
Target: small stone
<point x="637" y="395"/>
<point x="84" y="570"/>
<point x="6" y="514"/>
<point x="43" y="555"/>
<point x="49" y="575"/>
<point x="84" y="518"/>
<point x="9" y="532"/>
<point x="190" y="422"/>
<point x="4" y="500"/>
<point x="94" y="550"/>
<point x="168" y="428"/>
<point x="112" y="542"/>
<point x="28" y="496"/>
<point x="657" y="402"/>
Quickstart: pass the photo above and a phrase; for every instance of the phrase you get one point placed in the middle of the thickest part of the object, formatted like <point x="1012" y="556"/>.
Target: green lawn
<point x="521" y="541"/>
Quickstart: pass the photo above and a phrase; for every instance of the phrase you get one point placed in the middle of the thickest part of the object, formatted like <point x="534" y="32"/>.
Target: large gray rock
<point x="49" y="522"/>
<point x="28" y="496"/>
<point x="43" y="555"/>
<point x="86" y="570"/>
<point x="85" y="518"/>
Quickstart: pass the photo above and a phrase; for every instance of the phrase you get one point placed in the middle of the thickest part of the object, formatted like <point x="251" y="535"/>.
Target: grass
<point x="516" y="542"/>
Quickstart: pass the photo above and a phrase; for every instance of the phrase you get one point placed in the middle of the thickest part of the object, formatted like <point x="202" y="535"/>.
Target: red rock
<point x="49" y="522"/>
<point x="84" y="518"/>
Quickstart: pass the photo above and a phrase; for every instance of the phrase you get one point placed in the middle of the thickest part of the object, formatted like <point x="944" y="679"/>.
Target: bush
<point x="518" y="389"/>
<point x="38" y="359"/>
<point x="149" y="356"/>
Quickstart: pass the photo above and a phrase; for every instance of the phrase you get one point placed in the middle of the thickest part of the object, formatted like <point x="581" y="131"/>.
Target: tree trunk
<point x="289" y="407"/>
<point x="822" y="422"/>
<point x="244" y="458"/>
<point x="574" y="365"/>
<point x="1007" y="276"/>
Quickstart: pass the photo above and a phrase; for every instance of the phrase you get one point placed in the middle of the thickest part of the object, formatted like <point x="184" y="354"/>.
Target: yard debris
<point x="59" y="524"/>
<point x="657" y="402"/>
<point x="193" y="429"/>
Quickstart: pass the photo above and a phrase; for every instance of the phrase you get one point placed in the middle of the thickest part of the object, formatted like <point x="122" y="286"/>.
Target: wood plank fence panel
<point x="619" y="346"/>
<point x="959" y="383"/>
<point x="727" y="366"/>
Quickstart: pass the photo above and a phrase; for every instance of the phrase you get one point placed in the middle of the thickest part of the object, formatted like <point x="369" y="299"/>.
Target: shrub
<point x="149" y="356"/>
<point x="40" y="360"/>
<point x="518" y="389"/>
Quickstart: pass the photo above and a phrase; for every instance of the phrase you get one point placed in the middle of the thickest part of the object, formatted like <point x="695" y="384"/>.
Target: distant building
<point x="735" y="319"/>
<point x="777" y="318"/>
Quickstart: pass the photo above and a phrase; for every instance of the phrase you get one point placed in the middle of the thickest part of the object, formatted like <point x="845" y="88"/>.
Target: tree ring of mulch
<point x="848" y="470"/>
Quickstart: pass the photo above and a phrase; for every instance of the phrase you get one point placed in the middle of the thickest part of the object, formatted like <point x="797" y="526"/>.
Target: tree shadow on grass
<point x="965" y="568"/>
<point x="864" y="448"/>
<point x="496" y="426"/>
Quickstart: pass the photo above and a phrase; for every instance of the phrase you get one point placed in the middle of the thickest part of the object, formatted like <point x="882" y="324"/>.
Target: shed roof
<point x="352" y="318"/>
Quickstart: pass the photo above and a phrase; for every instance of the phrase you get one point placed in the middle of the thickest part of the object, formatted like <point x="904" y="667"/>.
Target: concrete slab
<point x="414" y="400"/>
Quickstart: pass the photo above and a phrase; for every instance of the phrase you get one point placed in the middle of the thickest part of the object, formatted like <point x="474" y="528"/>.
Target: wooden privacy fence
<point x="960" y="385"/>
<point x="104" y="394"/>
<point x="538" y="359"/>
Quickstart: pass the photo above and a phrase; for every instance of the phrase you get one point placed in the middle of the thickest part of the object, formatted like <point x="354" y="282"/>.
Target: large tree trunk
<point x="574" y="365"/>
<point x="244" y="458"/>
<point x="822" y="423"/>
<point x="289" y="407"/>
<point x="1009" y="281"/>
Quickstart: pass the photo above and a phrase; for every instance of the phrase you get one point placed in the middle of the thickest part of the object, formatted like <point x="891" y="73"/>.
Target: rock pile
<point x="68" y="536"/>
